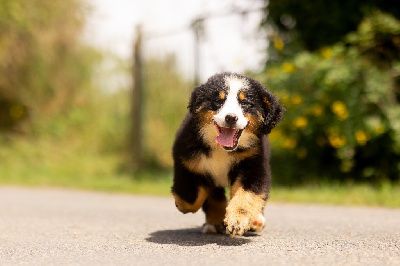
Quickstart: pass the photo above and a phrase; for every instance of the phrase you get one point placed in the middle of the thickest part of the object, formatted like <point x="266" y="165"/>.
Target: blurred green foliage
<point x="45" y="68"/>
<point x="314" y="24"/>
<point x="72" y="128"/>
<point x="87" y="144"/>
<point x="343" y="117"/>
<point x="342" y="123"/>
<point x="166" y="98"/>
<point x="49" y="94"/>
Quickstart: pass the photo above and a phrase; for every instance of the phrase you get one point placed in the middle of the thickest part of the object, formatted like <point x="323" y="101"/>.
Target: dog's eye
<point x="219" y="96"/>
<point x="218" y="99"/>
<point x="245" y="100"/>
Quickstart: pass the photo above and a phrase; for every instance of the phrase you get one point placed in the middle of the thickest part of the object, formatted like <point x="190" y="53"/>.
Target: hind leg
<point x="215" y="209"/>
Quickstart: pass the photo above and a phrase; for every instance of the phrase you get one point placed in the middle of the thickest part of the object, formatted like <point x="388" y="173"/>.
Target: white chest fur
<point x="217" y="165"/>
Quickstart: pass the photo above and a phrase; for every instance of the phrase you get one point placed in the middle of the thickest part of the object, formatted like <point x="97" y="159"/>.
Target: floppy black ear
<point x="196" y="99"/>
<point x="272" y="111"/>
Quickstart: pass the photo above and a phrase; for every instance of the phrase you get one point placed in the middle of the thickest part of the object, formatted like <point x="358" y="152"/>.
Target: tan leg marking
<point x="243" y="208"/>
<point x="216" y="211"/>
<point x="186" y="207"/>
<point x="215" y="214"/>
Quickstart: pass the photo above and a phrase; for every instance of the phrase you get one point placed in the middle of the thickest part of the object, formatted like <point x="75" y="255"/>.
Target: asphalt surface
<point x="63" y="227"/>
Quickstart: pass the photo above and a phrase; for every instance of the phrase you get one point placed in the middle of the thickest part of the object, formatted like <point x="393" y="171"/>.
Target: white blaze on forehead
<point x="233" y="84"/>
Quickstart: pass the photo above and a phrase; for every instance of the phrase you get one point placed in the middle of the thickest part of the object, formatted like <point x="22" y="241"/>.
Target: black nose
<point x="231" y="119"/>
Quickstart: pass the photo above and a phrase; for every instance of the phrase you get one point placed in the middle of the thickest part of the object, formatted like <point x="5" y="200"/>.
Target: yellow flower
<point x="317" y="110"/>
<point x="297" y="99"/>
<point x="326" y="52"/>
<point x="361" y="137"/>
<point x="340" y="110"/>
<point x="278" y="44"/>
<point x="379" y="129"/>
<point x="289" y="143"/>
<point x="301" y="122"/>
<point x="288" y="67"/>
<point x="272" y="72"/>
<point x="337" y="141"/>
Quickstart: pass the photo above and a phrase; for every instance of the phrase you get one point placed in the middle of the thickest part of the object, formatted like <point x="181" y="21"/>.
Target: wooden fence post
<point x="137" y="101"/>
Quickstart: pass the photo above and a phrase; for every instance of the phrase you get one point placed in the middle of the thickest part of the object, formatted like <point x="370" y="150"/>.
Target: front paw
<point x="237" y="222"/>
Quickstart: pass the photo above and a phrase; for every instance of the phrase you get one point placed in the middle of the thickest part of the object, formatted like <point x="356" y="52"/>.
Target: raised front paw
<point x="185" y="206"/>
<point x="237" y="222"/>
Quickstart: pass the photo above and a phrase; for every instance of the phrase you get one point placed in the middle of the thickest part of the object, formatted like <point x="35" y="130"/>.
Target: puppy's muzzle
<point x="231" y="119"/>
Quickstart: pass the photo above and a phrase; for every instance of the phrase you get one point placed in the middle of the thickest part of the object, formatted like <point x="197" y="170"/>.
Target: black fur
<point x="207" y="95"/>
<point x="190" y="144"/>
<point x="255" y="171"/>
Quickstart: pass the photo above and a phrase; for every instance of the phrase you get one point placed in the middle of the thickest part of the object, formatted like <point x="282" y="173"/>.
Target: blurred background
<point x="92" y="92"/>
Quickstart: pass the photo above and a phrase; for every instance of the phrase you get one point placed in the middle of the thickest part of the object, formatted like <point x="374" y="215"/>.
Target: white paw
<point x="258" y="224"/>
<point x="209" y="229"/>
<point x="213" y="229"/>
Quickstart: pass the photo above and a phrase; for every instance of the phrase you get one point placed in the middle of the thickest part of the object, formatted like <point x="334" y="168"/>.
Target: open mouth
<point x="228" y="138"/>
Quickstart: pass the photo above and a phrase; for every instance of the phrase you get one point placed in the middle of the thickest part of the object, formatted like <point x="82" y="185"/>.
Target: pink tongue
<point x="226" y="137"/>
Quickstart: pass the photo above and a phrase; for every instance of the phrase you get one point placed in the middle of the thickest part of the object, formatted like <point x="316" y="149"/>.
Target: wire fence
<point x="169" y="63"/>
<point x="230" y="40"/>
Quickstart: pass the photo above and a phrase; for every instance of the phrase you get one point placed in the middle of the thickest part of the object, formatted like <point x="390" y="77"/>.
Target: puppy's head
<point x="234" y="110"/>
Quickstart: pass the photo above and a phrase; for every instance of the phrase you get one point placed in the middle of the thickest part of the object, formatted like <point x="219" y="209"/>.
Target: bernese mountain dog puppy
<point x="223" y="142"/>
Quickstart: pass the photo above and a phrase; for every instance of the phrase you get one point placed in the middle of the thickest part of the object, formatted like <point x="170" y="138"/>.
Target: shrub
<point x="45" y="67"/>
<point x="343" y="117"/>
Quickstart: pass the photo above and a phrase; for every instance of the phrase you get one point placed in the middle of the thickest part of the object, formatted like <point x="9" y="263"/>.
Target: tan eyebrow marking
<point x="241" y="96"/>
<point x="267" y="102"/>
<point x="222" y="95"/>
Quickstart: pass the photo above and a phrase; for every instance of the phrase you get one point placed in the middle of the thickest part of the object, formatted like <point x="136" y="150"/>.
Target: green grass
<point x="52" y="163"/>
<point x="113" y="183"/>
<point x="159" y="182"/>
<point x="385" y="195"/>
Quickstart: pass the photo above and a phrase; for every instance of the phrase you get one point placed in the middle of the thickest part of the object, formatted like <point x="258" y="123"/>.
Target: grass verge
<point x="384" y="195"/>
<point x="55" y="164"/>
<point x="158" y="183"/>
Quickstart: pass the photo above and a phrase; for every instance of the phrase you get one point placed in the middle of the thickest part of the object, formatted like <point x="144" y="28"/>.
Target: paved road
<point x="62" y="227"/>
